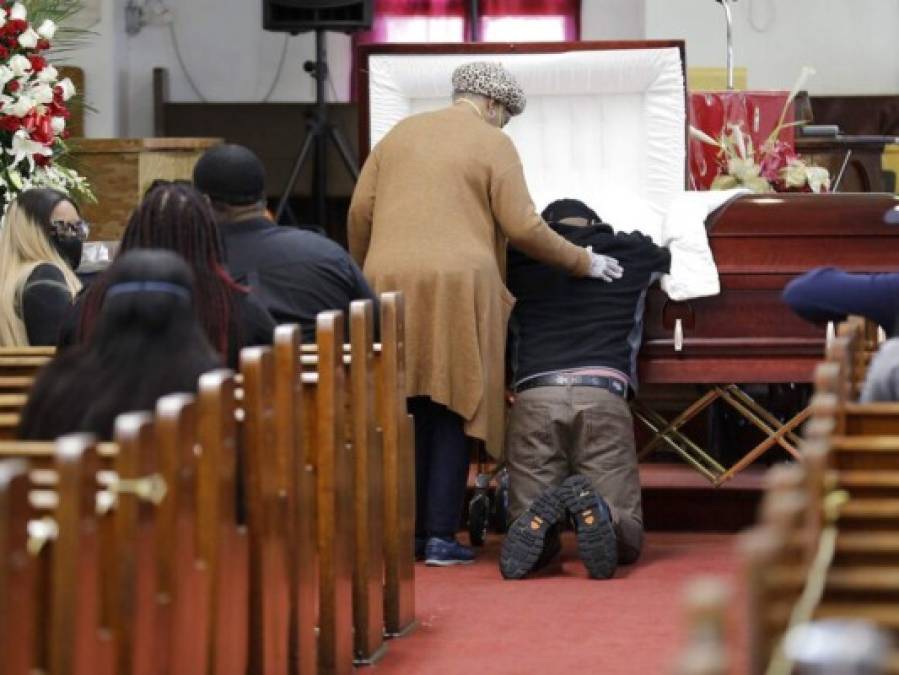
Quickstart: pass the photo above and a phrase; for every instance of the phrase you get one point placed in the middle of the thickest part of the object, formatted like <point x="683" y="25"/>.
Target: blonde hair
<point x="23" y="246"/>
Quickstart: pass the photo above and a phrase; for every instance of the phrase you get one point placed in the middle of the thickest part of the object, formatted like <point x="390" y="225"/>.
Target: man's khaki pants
<point x="555" y="432"/>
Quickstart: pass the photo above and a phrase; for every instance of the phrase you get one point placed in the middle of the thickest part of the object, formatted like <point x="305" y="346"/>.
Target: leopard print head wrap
<point x="490" y="80"/>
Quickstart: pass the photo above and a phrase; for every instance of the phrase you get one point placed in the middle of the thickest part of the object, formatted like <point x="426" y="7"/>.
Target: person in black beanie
<point x="573" y="346"/>
<point x="295" y="273"/>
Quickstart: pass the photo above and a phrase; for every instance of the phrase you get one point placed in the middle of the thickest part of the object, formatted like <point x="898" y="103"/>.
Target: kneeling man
<point x="570" y="441"/>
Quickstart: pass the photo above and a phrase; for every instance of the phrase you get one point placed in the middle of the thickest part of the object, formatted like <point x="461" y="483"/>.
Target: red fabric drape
<point x="385" y="10"/>
<point x="570" y="9"/>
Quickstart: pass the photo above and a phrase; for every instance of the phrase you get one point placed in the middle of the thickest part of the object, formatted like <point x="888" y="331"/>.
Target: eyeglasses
<point x="62" y="228"/>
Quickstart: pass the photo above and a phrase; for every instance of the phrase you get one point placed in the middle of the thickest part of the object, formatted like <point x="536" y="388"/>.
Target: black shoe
<point x="596" y="541"/>
<point x="525" y="545"/>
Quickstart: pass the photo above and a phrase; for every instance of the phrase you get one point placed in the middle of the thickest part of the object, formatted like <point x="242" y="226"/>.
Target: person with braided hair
<point x="174" y="216"/>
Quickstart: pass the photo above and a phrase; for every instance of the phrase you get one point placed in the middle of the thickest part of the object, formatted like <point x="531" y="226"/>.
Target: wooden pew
<point x="397" y="438"/>
<point x="183" y="581"/>
<point x="268" y="516"/>
<point x="296" y="453"/>
<point x="368" y="490"/>
<point x="18" y="368"/>
<point x="154" y="598"/>
<point x="18" y="606"/>
<point x="333" y="463"/>
<point x="223" y="543"/>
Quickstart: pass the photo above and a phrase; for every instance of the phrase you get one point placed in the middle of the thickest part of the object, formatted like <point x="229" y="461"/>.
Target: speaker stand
<point x="320" y="134"/>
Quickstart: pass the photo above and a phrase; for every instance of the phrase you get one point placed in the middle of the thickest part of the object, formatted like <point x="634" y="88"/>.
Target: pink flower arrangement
<point x="773" y="167"/>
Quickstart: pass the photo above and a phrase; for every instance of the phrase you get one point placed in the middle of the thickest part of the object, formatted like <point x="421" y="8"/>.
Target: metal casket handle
<point x="678" y="335"/>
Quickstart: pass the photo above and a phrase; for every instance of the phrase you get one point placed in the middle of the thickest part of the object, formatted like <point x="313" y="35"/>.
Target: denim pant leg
<point x="420" y="409"/>
<point x="441" y="471"/>
<point x="448" y="473"/>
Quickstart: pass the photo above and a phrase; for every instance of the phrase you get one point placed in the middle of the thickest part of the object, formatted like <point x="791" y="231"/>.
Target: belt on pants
<point x="612" y="384"/>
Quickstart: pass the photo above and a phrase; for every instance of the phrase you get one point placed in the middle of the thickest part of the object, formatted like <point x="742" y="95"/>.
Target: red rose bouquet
<point x="34" y="101"/>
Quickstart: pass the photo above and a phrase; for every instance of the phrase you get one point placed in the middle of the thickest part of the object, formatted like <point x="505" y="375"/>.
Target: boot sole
<point x="523" y="543"/>
<point x="596" y="541"/>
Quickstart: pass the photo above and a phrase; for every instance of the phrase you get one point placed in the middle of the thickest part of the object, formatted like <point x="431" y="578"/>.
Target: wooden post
<point x="135" y="603"/>
<point x="399" y="470"/>
<point x="368" y="573"/>
<point x="18" y="613"/>
<point x="290" y="445"/>
<point x="183" y="582"/>
<point x="223" y="544"/>
<point x="335" y="507"/>
<point x="268" y="518"/>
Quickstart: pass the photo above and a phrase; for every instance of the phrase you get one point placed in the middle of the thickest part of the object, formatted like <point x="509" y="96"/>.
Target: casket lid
<point x="605" y="121"/>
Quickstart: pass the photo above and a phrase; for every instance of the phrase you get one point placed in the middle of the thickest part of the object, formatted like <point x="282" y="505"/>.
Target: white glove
<point x="603" y="267"/>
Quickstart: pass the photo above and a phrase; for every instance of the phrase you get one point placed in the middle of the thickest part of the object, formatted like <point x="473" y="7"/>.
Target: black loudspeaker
<point x="298" y="16"/>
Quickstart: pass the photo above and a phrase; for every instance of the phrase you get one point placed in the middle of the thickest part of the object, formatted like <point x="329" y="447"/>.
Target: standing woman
<point x="437" y="202"/>
<point x="40" y="248"/>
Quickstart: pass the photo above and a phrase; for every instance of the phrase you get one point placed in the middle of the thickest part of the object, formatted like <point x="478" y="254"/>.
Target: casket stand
<point x="619" y="109"/>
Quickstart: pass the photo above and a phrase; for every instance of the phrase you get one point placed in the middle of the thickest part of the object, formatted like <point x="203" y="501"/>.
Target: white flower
<point x="20" y="65"/>
<point x="794" y="174"/>
<point x="18" y="11"/>
<point x="58" y="124"/>
<point x="742" y="169"/>
<point x="42" y="93"/>
<point x="49" y="75"/>
<point x="24" y="148"/>
<point x="21" y="107"/>
<point x="2" y="17"/>
<point x="6" y="75"/>
<point x="68" y="89"/>
<point x="818" y="178"/>
<point x="47" y="29"/>
<point x="29" y="39"/>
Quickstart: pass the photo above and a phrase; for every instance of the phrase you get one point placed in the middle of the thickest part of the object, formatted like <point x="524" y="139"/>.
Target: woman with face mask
<point x="40" y="247"/>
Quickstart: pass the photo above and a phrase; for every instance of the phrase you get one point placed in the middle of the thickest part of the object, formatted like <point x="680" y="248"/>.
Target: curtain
<point x="449" y="21"/>
<point x="503" y="20"/>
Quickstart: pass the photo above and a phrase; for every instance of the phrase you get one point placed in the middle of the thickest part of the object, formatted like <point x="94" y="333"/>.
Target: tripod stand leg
<point x="295" y="172"/>
<point x="343" y="149"/>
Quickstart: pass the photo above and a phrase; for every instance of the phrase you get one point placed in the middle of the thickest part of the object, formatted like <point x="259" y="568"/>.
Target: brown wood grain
<point x="120" y="170"/>
<point x="335" y="506"/>
<point x="399" y="469"/>
<point x="291" y="443"/>
<point x="268" y="518"/>
<point x="18" y="610"/>
<point x="223" y="545"/>
<point x="75" y="606"/>
<point x="183" y="583"/>
<point x="368" y="571"/>
<point x="135" y="602"/>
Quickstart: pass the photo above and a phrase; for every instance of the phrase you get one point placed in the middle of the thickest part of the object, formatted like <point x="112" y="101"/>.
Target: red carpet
<point x="472" y="621"/>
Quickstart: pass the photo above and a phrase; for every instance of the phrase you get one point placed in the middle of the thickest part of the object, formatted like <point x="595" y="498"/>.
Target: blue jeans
<point x="441" y="468"/>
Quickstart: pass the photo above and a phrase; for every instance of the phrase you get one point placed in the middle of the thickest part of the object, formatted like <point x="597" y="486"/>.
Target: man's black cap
<point x="231" y="174"/>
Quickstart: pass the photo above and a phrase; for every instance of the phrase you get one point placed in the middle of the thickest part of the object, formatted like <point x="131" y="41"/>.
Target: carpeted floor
<point x="472" y="621"/>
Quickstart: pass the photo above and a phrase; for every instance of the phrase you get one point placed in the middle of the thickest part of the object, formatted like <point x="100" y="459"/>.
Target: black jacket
<point x="562" y="322"/>
<point x="295" y="273"/>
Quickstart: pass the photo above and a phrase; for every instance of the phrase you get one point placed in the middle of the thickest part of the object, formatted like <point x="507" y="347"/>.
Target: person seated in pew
<point x="882" y="380"/>
<point x="573" y="361"/>
<point x="174" y="216"/>
<point x="830" y="294"/>
<point x="296" y="273"/>
<point x="40" y="248"/>
<point x="147" y="342"/>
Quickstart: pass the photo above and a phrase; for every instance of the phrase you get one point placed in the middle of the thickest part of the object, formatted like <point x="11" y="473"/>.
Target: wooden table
<point x="121" y="169"/>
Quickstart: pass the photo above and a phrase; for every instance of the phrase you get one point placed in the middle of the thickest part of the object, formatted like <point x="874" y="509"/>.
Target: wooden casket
<point x="606" y="123"/>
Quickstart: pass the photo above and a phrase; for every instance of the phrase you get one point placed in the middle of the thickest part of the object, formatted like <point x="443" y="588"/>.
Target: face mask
<point x="69" y="248"/>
